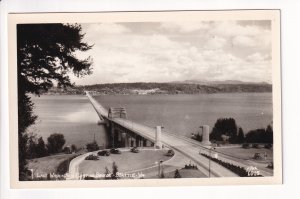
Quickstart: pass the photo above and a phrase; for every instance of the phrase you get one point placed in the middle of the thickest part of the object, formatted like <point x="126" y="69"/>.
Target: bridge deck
<point x="186" y="146"/>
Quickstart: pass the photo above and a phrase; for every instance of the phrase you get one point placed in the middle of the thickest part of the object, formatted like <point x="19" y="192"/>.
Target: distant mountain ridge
<point x="207" y="82"/>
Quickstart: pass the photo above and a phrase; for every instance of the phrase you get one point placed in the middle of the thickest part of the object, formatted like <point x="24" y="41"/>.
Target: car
<point x="170" y="153"/>
<point x="103" y="153"/>
<point x="135" y="150"/>
<point x="115" y="151"/>
<point x="257" y="156"/>
<point x="270" y="165"/>
<point x="246" y="145"/>
<point x="92" y="157"/>
<point x="256" y="146"/>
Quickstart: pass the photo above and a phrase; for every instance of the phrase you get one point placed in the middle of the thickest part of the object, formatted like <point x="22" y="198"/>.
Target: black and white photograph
<point x="154" y="97"/>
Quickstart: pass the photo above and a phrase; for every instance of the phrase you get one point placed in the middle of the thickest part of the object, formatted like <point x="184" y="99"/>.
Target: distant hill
<point x="205" y="82"/>
<point x="151" y="88"/>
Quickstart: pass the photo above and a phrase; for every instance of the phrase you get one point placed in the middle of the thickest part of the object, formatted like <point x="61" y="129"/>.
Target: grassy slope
<point x="187" y="173"/>
<point x="248" y="153"/>
<point x="48" y="164"/>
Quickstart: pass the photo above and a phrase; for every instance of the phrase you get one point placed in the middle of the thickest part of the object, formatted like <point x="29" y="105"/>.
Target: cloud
<point x="184" y="27"/>
<point x="242" y="35"/>
<point x="256" y="57"/>
<point x="215" y="43"/>
<point x="124" y="55"/>
<point x="244" y="41"/>
<point x="107" y="28"/>
<point x="232" y="28"/>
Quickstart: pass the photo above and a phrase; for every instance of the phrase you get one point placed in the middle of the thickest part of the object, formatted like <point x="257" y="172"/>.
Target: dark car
<point x="257" y="156"/>
<point x="103" y="153"/>
<point x="270" y="165"/>
<point x="170" y="153"/>
<point x="135" y="150"/>
<point x="92" y="157"/>
<point x="115" y="151"/>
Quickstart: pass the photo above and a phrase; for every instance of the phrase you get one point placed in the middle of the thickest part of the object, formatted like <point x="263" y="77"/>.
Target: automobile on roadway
<point x="170" y="153"/>
<point x="92" y="157"/>
<point x="115" y="151"/>
<point x="135" y="150"/>
<point x="103" y="153"/>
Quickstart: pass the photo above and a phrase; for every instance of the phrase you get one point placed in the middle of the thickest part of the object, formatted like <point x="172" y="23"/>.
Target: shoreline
<point x="179" y="94"/>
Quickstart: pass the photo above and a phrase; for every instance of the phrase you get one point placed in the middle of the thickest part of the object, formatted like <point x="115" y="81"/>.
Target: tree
<point x="93" y="146"/>
<point x="269" y="134"/>
<point x="107" y="174"/>
<point x="255" y="136"/>
<point x="35" y="147"/>
<point x="55" y="143"/>
<point x="31" y="147"/>
<point x="114" y="175"/>
<point x="177" y="174"/>
<point x="224" y="126"/>
<point x="73" y="148"/>
<point x="260" y="135"/>
<point x="41" y="149"/>
<point x="25" y="119"/>
<point x="46" y="53"/>
<point x="240" y="137"/>
<point x="67" y="150"/>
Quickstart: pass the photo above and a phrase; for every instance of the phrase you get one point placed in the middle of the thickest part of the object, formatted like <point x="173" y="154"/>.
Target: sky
<point x="178" y="51"/>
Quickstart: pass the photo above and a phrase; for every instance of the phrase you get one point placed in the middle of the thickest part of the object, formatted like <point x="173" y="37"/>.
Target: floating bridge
<point x="127" y="133"/>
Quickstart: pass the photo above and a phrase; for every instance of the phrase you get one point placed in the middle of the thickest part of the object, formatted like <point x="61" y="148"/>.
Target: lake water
<point x="71" y="115"/>
<point x="75" y="117"/>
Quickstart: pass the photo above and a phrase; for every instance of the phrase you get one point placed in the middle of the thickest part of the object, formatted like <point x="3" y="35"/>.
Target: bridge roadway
<point x="179" y="144"/>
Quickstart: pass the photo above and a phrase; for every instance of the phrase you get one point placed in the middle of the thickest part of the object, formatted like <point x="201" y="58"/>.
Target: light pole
<point x="159" y="168"/>
<point x="160" y="162"/>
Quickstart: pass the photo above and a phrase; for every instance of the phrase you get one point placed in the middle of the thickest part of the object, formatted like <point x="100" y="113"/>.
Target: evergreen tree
<point x="25" y="119"/>
<point x="41" y="149"/>
<point x="31" y="147"/>
<point x="73" y="148"/>
<point x="177" y="174"/>
<point x="240" y="137"/>
<point x="269" y="134"/>
<point x="45" y="53"/>
<point x="114" y="171"/>
<point x="35" y="147"/>
<point x="106" y="174"/>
